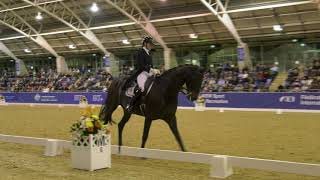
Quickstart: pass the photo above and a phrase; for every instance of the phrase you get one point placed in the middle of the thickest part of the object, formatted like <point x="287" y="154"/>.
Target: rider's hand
<point x="155" y="71"/>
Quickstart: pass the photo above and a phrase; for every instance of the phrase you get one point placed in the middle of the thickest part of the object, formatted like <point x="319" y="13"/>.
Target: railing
<point x="221" y="165"/>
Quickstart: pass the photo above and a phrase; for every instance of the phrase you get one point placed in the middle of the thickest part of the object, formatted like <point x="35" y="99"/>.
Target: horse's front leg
<point x="121" y="125"/>
<point x="147" y="124"/>
<point x="172" y="122"/>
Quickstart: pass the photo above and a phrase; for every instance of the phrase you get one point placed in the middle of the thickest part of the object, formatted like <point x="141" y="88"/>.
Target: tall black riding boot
<point x="135" y="98"/>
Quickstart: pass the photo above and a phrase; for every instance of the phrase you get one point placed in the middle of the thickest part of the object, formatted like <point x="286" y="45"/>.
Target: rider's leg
<point x="141" y="79"/>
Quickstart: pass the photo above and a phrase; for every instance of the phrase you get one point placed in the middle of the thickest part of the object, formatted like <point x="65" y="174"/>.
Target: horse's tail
<point x="111" y="103"/>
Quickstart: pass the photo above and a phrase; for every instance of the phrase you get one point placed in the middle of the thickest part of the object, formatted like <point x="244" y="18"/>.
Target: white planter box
<point x="91" y="152"/>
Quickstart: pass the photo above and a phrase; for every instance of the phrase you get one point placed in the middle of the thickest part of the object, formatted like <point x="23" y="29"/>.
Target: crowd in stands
<point x="303" y="79"/>
<point x="226" y="78"/>
<point x="48" y="81"/>
<point x="222" y="78"/>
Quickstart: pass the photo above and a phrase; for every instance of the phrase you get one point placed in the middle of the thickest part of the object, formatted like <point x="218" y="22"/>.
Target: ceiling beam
<point x="18" y="23"/>
<point x="155" y="20"/>
<point x="130" y="9"/>
<point x="187" y="34"/>
<point x="64" y="14"/>
<point x="7" y="51"/>
<point x="209" y="41"/>
<point x="261" y="6"/>
<point x="26" y="6"/>
<point x="152" y="21"/>
<point x="293" y="33"/>
<point x="317" y="2"/>
<point x="219" y="10"/>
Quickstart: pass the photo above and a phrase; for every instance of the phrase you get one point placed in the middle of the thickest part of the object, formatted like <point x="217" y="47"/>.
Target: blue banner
<point x="308" y="101"/>
<point x="240" y="53"/>
<point x="264" y="100"/>
<point x="54" y="98"/>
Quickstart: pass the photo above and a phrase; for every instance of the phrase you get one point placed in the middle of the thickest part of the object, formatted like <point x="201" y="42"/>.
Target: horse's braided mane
<point x="177" y="68"/>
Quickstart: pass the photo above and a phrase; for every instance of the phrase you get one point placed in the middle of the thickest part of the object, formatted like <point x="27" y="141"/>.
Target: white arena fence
<point x="220" y="109"/>
<point x="221" y="165"/>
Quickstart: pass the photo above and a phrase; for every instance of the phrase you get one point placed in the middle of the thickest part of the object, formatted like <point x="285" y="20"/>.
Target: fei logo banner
<point x="287" y="99"/>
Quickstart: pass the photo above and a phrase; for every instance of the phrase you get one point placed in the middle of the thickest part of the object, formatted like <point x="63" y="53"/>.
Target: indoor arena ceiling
<point x="65" y="23"/>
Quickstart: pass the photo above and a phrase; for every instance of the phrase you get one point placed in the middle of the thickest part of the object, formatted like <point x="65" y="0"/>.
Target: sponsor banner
<point x="308" y="101"/>
<point x="264" y="100"/>
<point x="241" y="52"/>
<point x="18" y="65"/>
<point x="54" y="98"/>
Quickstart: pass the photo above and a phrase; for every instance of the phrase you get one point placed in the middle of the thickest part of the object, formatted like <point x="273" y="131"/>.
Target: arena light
<point x="297" y="62"/>
<point x="193" y="36"/>
<point x="27" y="50"/>
<point x="212" y="46"/>
<point x="303" y="44"/>
<point x="39" y="16"/>
<point x="94" y="7"/>
<point x="94" y="55"/>
<point x="276" y="63"/>
<point x="294" y="40"/>
<point x="72" y="46"/>
<point x="125" y="41"/>
<point x="11" y="60"/>
<point x="277" y="27"/>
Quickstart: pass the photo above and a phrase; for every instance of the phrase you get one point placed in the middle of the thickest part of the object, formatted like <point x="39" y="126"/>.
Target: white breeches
<point x="142" y="78"/>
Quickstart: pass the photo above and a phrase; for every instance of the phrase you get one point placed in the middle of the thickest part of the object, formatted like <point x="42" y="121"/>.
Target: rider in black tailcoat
<point x="143" y="66"/>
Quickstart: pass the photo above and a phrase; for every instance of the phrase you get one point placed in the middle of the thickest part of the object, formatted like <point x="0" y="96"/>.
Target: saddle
<point x="129" y="92"/>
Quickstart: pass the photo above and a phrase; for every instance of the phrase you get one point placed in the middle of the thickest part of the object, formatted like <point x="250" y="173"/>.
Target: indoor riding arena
<point x="159" y="89"/>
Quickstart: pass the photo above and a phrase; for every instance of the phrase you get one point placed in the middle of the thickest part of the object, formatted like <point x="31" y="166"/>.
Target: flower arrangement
<point x="89" y="123"/>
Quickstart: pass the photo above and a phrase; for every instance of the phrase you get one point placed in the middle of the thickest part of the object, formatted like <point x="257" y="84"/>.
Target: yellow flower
<point x="86" y="112"/>
<point x="89" y="124"/>
<point x="95" y="110"/>
<point x="95" y="117"/>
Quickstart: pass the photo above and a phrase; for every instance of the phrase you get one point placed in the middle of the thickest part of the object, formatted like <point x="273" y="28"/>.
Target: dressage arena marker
<point x="221" y="165"/>
<point x="3" y="101"/>
<point x="279" y="111"/>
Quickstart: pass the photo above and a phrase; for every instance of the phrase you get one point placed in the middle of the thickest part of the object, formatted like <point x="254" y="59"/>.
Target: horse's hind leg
<point x="121" y="125"/>
<point x="174" y="128"/>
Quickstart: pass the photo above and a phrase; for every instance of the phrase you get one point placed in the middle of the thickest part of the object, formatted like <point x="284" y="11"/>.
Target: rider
<point x="144" y="69"/>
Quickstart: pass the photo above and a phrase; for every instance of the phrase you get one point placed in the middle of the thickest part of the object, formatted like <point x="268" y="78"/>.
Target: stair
<point x="282" y="76"/>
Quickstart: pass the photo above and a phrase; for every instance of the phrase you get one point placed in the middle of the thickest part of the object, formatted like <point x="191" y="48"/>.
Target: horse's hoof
<point x="143" y="158"/>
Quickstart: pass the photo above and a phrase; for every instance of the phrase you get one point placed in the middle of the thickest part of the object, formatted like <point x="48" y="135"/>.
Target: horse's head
<point x="193" y="82"/>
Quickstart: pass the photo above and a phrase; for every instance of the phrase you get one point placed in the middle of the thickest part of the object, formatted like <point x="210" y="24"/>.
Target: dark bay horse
<point x="160" y="103"/>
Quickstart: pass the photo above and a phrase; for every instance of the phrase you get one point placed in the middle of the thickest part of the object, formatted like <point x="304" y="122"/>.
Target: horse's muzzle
<point x="192" y="97"/>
